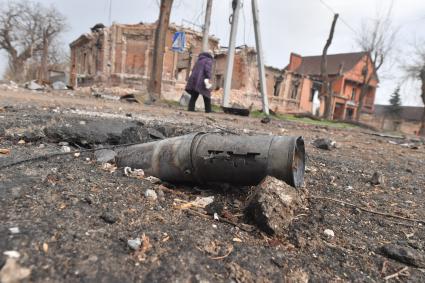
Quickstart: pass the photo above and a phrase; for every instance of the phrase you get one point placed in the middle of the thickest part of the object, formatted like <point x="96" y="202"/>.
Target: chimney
<point x="294" y="61"/>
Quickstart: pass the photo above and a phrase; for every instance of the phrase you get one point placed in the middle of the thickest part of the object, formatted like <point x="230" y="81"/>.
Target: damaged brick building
<point x="122" y="55"/>
<point x="346" y="73"/>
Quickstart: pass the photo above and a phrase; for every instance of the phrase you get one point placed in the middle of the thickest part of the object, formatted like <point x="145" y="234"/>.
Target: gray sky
<point x="300" y="26"/>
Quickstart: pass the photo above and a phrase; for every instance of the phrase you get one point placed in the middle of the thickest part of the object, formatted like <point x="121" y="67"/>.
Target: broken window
<point x="312" y="93"/>
<point x="277" y="85"/>
<point x="218" y="81"/>
<point x="84" y="63"/>
<point x="295" y="88"/>
<point x="353" y="94"/>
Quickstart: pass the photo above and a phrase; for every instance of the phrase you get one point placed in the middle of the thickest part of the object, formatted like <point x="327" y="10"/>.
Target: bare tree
<point x="326" y="91"/>
<point x="24" y="26"/>
<point x="376" y="39"/>
<point x="416" y="70"/>
<point x="53" y="23"/>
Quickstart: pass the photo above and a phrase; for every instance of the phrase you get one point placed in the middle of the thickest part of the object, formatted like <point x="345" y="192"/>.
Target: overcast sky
<point x="300" y="26"/>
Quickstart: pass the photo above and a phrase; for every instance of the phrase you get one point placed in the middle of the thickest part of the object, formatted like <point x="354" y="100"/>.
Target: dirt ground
<point x="75" y="216"/>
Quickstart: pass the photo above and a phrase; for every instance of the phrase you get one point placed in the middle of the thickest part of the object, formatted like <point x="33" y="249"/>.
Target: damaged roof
<point x="310" y="65"/>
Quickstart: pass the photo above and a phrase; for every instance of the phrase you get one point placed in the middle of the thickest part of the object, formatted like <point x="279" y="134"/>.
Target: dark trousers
<point x="194" y="96"/>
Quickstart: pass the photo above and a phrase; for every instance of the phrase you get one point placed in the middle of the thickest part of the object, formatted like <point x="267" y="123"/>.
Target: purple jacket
<point x="200" y="72"/>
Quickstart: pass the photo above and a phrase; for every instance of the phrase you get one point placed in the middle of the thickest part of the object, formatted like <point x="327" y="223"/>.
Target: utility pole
<point x="206" y="27"/>
<point x="236" y="5"/>
<point x="260" y="58"/>
<point x="155" y="82"/>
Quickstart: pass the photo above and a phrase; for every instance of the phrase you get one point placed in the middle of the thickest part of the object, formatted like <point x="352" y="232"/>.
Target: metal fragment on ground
<point x="216" y="158"/>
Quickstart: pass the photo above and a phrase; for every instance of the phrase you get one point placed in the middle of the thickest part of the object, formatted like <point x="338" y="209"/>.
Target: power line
<point x="340" y="17"/>
<point x="244" y="23"/>
<point x="110" y="12"/>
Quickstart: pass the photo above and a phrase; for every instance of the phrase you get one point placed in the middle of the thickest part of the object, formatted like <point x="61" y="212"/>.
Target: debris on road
<point x="12" y="254"/>
<point x="377" y="179"/>
<point x="329" y="233"/>
<point x="66" y="148"/>
<point x="14" y="230"/>
<point x="134" y="173"/>
<point x="203" y="202"/>
<point x="134" y="244"/>
<point x="4" y="151"/>
<point x="153" y="180"/>
<point x="239" y="111"/>
<point x="105" y="156"/>
<point x="217" y="158"/>
<point x="109" y="217"/>
<point x="151" y="195"/>
<point x="324" y="143"/>
<point x="272" y="205"/>
<point x="32" y="85"/>
<point x="58" y="85"/>
<point x="266" y="120"/>
<point x="405" y="255"/>
<point x="13" y="272"/>
<point x="108" y="167"/>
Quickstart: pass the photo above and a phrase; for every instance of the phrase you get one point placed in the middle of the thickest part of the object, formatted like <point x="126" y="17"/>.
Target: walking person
<point x="199" y="81"/>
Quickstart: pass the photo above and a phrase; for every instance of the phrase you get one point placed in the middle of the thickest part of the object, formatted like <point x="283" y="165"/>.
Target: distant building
<point x="303" y="81"/>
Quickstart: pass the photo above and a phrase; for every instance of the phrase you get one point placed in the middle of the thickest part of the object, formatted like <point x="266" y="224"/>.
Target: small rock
<point x="134" y="244"/>
<point x="58" y="85"/>
<point x="329" y="233"/>
<point x="265" y="120"/>
<point x="65" y="148"/>
<point x="377" y="179"/>
<point x="14" y="230"/>
<point x="153" y="180"/>
<point x="12" y="254"/>
<point x="109" y="218"/>
<point x="12" y="272"/>
<point x="63" y="143"/>
<point x="404" y="254"/>
<point x="272" y="205"/>
<point x="151" y="195"/>
<point x="349" y="188"/>
<point x="215" y="207"/>
<point x="326" y="144"/>
<point x="105" y="155"/>
<point x="279" y="261"/>
<point x="203" y="202"/>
